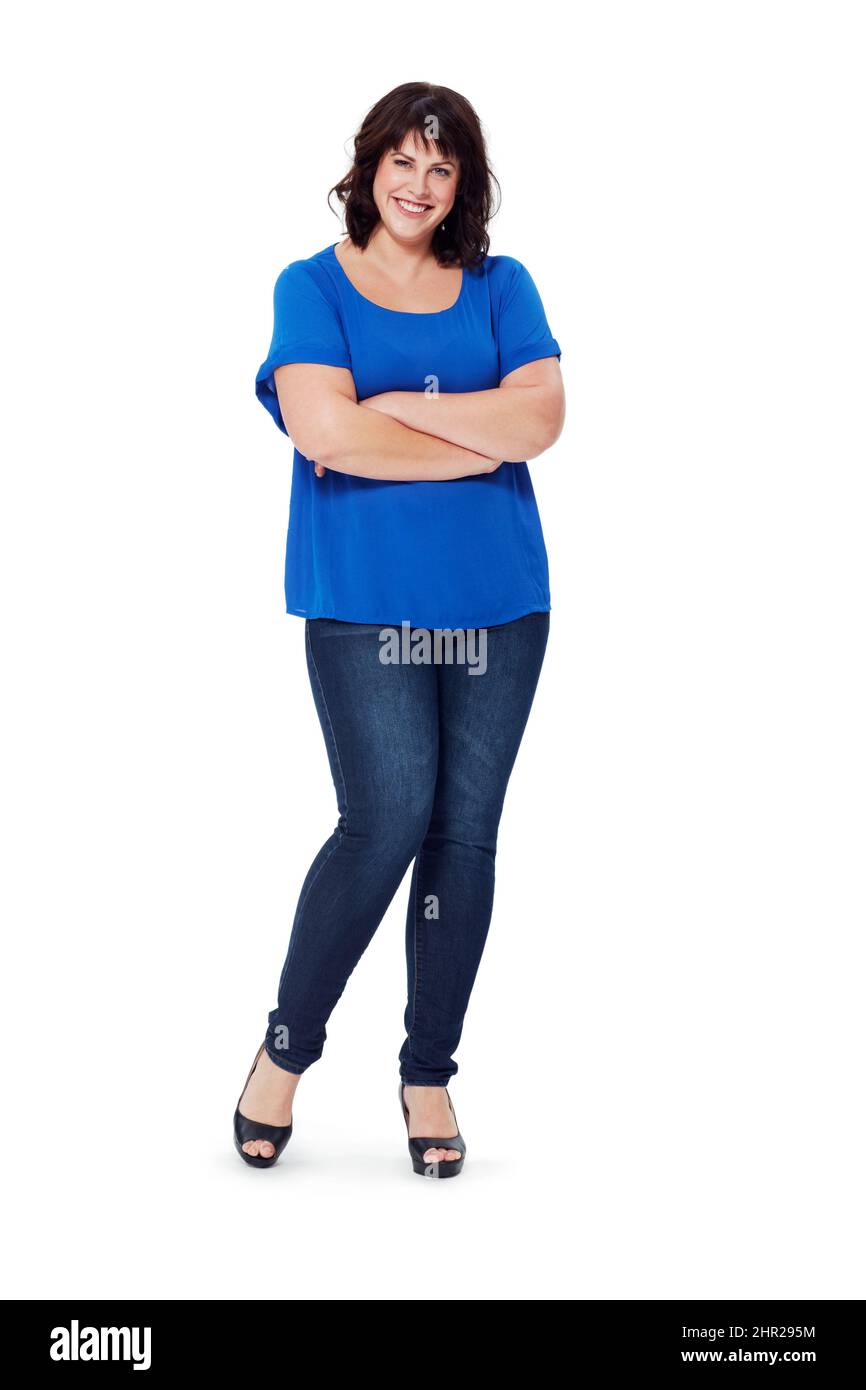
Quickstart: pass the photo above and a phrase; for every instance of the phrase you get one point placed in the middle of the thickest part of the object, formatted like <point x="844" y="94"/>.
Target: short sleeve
<point x="307" y="328"/>
<point x="524" y="335"/>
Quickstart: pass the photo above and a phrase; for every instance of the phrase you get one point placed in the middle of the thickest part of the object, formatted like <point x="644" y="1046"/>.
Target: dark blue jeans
<point x="420" y="755"/>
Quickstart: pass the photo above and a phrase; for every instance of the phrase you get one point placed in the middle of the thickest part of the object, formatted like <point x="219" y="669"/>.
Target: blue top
<point x="460" y="554"/>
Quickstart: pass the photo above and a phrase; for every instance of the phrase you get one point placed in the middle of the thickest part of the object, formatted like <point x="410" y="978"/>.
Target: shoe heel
<point x="246" y="1130"/>
<point x="449" y="1167"/>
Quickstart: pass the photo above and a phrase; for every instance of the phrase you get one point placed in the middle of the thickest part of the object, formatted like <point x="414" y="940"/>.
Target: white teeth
<point x="412" y="207"/>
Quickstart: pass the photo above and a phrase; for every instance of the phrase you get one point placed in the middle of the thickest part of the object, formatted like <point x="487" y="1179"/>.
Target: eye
<point x="403" y="162"/>
<point x="444" y="172"/>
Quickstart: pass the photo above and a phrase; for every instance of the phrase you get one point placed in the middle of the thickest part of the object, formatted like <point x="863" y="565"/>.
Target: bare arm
<point x="517" y="420"/>
<point x="321" y="414"/>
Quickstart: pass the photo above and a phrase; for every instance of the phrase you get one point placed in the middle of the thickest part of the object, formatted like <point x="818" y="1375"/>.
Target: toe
<point x="258" y="1148"/>
<point x="441" y="1155"/>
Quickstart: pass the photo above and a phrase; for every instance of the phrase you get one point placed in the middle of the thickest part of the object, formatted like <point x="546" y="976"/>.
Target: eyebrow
<point x="404" y="155"/>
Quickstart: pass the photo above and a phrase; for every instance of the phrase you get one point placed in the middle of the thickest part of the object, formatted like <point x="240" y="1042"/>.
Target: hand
<point x="318" y="469"/>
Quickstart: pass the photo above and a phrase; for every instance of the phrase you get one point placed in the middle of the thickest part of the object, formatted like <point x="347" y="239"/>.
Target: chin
<point x="407" y="233"/>
<point x="404" y="228"/>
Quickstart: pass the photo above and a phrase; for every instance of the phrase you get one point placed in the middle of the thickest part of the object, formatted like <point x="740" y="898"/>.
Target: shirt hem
<point x="511" y="616"/>
<point x="532" y="353"/>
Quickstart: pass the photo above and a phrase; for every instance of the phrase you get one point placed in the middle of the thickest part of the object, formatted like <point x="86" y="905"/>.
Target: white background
<point x="661" y="1075"/>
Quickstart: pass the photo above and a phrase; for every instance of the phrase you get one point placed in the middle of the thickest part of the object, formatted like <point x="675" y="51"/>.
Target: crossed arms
<point x="409" y="436"/>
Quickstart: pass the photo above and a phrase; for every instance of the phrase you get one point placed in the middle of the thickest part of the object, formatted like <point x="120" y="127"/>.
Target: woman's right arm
<point x="320" y="411"/>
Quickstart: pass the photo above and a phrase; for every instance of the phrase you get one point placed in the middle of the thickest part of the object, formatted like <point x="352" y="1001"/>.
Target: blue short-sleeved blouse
<point x="459" y="554"/>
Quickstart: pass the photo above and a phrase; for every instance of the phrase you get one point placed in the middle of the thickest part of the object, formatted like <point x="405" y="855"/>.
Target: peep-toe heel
<point x="448" y="1167"/>
<point x="245" y="1130"/>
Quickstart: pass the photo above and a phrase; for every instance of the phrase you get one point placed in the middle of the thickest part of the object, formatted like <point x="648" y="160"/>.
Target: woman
<point x="415" y="375"/>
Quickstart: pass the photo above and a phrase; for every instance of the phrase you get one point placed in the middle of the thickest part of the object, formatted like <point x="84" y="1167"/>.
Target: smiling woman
<point x="447" y="143"/>
<point x="411" y="167"/>
<point x="416" y="374"/>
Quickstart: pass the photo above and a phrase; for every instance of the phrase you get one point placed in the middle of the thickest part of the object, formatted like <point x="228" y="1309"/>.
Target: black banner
<point x="263" y="1340"/>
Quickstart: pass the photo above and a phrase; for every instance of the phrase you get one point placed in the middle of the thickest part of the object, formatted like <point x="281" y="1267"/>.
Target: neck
<point x="395" y="257"/>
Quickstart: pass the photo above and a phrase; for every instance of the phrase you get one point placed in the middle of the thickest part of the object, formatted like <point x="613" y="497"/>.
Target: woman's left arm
<point x="517" y="420"/>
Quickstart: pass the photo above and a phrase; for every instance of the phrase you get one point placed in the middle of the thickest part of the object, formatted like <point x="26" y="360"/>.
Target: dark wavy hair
<point x="424" y="109"/>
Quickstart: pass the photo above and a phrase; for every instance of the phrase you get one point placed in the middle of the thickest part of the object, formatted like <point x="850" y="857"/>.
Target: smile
<point x="412" y="209"/>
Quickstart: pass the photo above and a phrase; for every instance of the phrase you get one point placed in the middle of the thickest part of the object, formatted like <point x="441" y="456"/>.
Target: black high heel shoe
<point x="448" y="1167"/>
<point x="245" y="1130"/>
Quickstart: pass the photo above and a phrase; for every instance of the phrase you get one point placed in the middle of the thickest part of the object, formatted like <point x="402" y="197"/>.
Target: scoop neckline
<point x="404" y="313"/>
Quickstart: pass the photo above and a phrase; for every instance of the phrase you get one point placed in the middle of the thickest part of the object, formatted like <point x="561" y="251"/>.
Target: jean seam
<point x="415" y="948"/>
<point x="328" y="717"/>
<point x="339" y="833"/>
<point x="303" y="904"/>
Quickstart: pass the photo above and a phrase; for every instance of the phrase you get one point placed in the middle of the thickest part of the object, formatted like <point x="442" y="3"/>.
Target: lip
<point x="413" y="216"/>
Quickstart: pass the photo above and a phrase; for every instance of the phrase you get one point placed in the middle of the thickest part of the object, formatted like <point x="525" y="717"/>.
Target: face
<point x="414" y="190"/>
